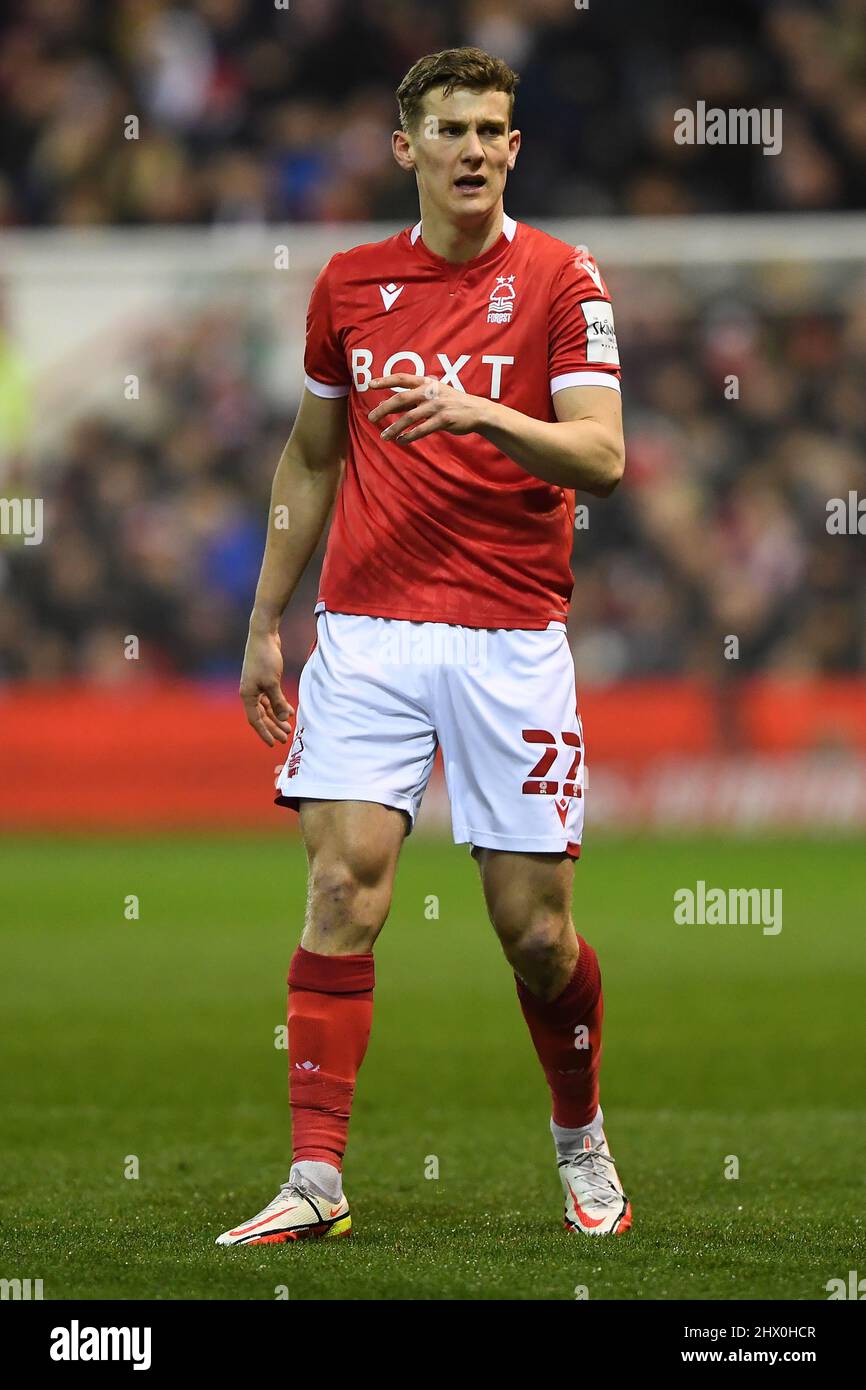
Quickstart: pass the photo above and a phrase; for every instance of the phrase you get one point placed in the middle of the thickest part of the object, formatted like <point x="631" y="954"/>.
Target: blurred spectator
<point x="248" y="112"/>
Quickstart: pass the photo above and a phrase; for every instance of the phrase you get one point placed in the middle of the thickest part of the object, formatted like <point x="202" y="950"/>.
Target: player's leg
<point x="352" y="851"/>
<point x="556" y="972"/>
<point x="528" y="898"/>
<point x="558" y="982"/>
<point x="356" y="770"/>
<point x="513" y="750"/>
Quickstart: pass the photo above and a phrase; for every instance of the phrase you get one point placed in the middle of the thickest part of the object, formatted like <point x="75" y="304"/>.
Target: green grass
<point x="154" y="1038"/>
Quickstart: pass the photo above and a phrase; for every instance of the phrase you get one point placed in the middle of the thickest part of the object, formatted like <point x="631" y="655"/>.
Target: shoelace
<point x="295" y="1190"/>
<point x="599" y="1184"/>
<point x="287" y="1189"/>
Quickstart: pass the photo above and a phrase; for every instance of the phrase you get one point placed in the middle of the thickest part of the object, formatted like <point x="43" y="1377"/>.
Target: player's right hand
<point x="267" y="709"/>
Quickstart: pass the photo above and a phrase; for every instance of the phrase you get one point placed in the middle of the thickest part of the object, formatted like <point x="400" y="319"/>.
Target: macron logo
<point x="389" y="293"/>
<point x="584" y="260"/>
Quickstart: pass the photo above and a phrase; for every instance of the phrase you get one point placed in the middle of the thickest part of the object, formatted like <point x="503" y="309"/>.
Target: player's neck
<point x="456" y="243"/>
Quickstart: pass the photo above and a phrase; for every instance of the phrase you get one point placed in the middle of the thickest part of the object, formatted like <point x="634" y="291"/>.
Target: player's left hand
<point x="424" y="406"/>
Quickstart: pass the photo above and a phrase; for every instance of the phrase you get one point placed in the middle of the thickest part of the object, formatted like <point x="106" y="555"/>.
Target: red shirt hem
<point x="436" y="615"/>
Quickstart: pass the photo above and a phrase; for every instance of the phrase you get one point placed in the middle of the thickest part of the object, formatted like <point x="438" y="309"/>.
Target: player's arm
<point x="582" y="448"/>
<point x="305" y="484"/>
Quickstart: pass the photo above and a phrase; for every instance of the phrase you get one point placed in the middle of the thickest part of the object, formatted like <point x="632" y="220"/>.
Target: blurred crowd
<point x="743" y="417"/>
<point x="741" y="424"/>
<point x="252" y="110"/>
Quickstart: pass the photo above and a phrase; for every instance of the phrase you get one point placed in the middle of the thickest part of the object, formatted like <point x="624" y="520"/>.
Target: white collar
<point x="509" y="227"/>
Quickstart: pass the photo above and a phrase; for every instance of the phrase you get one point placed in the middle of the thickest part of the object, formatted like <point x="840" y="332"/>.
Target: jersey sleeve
<point x="325" y="372"/>
<point x="582" y="347"/>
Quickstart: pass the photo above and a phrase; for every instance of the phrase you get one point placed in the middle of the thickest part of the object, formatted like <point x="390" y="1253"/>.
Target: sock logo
<point x="307" y="1066"/>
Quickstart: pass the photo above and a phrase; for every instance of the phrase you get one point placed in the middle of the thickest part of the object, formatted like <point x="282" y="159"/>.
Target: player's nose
<point x="473" y="149"/>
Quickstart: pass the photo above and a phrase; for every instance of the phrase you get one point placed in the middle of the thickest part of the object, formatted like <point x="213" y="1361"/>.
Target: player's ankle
<point x="569" y="1142"/>
<point x="320" y="1179"/>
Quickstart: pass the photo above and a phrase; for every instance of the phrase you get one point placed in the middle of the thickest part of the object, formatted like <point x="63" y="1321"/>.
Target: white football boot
<point x="595" y="1203"/>
<point x="294" y="1214"/>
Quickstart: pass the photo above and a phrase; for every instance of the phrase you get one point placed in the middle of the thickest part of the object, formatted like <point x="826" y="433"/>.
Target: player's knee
<point x="540" y="938"/>
<point x="348" y="894"/>
<point x="540" y="950"/>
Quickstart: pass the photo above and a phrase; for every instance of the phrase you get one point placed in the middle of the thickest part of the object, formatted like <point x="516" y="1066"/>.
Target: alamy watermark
<point x="431" y="644"/>
<point x="77" y="1343"/>
<point x="854" y="1288"/>
<point x="846" y="516"/>
<point x="20" y="1290"/>
<point x="736" y="126"/>
<point x="22" y="516"/>
<point x="720" y="907"/>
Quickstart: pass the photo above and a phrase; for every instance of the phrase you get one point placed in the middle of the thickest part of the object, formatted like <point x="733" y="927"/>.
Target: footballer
<point x="461" y="384"/>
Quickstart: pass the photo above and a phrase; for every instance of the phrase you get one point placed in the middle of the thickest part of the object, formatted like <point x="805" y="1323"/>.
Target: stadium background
<point x="154" y="258"/>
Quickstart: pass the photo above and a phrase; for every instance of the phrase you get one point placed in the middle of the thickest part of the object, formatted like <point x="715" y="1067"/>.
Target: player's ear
<point x="513" y="147"/>
<point x="402" y="150"/>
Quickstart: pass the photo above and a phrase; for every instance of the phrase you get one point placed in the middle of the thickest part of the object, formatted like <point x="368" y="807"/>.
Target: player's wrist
<point x="486" y="414"/>
<point x="265" y="619"/>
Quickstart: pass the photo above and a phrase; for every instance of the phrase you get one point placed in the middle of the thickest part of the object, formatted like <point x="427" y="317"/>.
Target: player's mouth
<point x="468" y="184"/>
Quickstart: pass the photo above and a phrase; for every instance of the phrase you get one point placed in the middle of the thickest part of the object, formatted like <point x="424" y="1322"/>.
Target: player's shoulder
<point x="367" y="258"/>
<point x="568" y="264"/>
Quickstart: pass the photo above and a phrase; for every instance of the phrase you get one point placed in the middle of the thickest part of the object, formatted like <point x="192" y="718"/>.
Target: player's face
<point x="462" y="150"/>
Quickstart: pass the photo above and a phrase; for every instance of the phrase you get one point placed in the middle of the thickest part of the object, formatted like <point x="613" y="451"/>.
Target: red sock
<point x="330" y="1013"/>
<point x="571" y="1070"/>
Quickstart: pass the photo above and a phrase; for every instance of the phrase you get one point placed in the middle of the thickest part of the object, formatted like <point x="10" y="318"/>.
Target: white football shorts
<point x="378" y="696"/>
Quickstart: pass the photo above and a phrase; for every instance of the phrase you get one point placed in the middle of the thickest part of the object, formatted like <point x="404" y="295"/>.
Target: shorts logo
<point x="295" y="752"/>
<point x="502" y="299"/>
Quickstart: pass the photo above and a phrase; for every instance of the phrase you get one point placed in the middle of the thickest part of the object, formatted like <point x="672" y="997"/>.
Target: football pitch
<point x="147" y="1045"/>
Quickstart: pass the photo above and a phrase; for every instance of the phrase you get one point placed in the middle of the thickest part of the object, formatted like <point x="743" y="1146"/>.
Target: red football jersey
<point x="448" y="528"/>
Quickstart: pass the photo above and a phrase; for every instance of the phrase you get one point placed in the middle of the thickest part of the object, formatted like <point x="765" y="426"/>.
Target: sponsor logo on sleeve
<point x="600" y="333"/>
